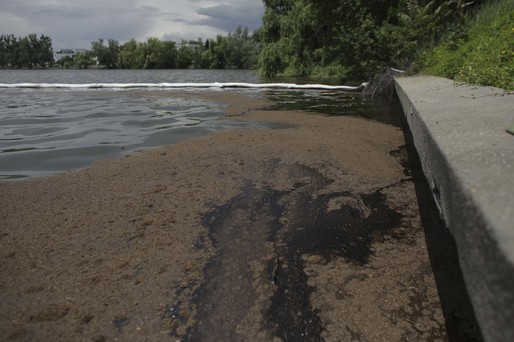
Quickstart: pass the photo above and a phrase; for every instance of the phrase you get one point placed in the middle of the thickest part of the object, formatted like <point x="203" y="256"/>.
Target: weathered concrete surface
<point x="468" y="159"/>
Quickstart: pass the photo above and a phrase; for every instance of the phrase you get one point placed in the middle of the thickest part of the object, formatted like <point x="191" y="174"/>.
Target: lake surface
<point x="45" y="130"/>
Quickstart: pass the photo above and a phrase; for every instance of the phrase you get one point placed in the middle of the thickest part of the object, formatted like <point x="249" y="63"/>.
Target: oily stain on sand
<point x="279" y="228"/>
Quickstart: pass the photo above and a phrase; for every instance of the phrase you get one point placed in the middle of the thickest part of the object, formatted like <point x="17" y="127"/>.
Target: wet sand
<point x="309" y="232"/>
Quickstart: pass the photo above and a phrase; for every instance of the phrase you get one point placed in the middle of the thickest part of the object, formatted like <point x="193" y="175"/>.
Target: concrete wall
<point x="467" y="156"/>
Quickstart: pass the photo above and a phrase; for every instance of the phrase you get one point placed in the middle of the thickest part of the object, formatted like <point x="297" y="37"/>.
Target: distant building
<point x="71" y="53"/>
<point x="190" y="43"/>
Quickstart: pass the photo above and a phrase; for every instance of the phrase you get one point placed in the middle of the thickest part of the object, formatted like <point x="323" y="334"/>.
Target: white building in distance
<point x="67" y="53"/>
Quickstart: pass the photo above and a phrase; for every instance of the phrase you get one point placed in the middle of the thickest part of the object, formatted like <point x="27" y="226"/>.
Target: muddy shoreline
<point x="309" y="232"/>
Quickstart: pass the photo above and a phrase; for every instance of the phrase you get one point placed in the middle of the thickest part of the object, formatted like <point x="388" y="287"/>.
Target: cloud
<point x="23" y="25"/>
<point x="75" y="23"/>
<point x="228" y="16"/>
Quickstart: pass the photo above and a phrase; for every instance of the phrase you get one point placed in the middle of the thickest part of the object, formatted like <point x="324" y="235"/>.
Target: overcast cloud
<point x="76" y="23"/>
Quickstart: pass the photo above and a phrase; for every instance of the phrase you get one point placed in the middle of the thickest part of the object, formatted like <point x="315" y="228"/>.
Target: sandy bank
<point x="310" y="230"/>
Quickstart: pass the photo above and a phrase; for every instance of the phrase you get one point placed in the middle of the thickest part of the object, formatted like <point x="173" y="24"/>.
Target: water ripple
<point x="49" y="131"/>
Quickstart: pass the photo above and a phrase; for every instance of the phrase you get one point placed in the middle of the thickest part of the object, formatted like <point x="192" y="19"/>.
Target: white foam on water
<point x="181" y="85"/>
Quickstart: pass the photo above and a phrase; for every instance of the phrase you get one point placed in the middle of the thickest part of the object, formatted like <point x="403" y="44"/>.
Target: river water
<point x="66" y="119"/>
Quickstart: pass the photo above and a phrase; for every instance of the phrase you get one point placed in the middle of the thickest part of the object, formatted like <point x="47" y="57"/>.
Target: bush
<point x="485" y="56"/>
<point x="351" y="39"/>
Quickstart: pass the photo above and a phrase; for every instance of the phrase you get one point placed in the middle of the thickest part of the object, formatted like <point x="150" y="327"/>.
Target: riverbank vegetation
<point x="25" y="52"/>
<point x="353" y="39"/>
<point x="237" y="50"/>
<point x="484" y="55"/>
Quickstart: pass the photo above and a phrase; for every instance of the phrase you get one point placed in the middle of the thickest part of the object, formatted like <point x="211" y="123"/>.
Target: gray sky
<point x="76" y="23"/>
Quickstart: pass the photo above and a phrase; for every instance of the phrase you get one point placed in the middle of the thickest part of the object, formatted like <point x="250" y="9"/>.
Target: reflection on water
<point x="337" y="103"/>
<point x="44" y="131"/>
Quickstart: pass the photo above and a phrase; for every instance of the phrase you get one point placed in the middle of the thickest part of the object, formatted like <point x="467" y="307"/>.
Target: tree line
<point x="353" y="38"/>
<point x="25" y="52"/>
<point x="237" y="50"/>
<point x="350" y="39"/>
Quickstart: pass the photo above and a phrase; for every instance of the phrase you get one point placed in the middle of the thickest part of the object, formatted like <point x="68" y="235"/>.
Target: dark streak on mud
<point x="259" y="223"/>
<point x="343" y="232"/>
<point x="239" y="231"/>
<point x="338" y="233"/>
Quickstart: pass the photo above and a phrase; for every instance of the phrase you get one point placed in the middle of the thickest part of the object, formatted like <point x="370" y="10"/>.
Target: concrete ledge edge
<point x="437" y="111"/>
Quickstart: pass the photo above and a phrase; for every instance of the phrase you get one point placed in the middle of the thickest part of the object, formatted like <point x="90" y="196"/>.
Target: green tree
<point x="287" y="31"/>
<point x="128" y="57"/>
<point x="106" y="55"/>
<point x="219" y="52"/>
<point x="152" y="54"/>
<point x="46" y="55"/>
<point x="66" y="62"/>
<point x="8" y="47"/>
<point x="34" y="50"/>
<point x="25" y="52"/>
<point x="198" y="50"/>
<point x="206" y="58"/>
<point x="350" y="38"/>
<point x="160" y="54"/>
<point x="3" y="52"/>
<point x="241" y="49"/>
<point x="83" y="60"/>
<point x="185" y="56"/>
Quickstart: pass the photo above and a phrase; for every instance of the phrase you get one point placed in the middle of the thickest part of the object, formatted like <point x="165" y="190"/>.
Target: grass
<point x="485" y="56"/>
